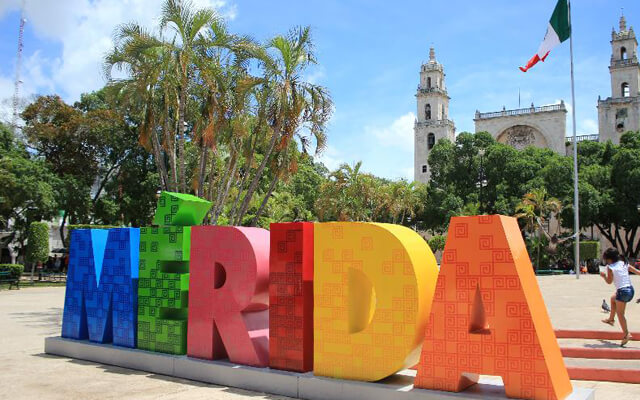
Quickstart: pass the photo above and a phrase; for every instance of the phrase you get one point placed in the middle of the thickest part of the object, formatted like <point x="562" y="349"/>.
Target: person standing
<point x="618" y="274"/>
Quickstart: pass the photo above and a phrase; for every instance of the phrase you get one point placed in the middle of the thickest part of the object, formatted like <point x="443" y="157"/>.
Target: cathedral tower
<point x="620" y="113"/>
<point x="433" y="121"/>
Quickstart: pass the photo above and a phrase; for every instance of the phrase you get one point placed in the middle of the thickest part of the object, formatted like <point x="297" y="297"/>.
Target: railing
<point x="521" y="111"/>
<point x="624" y="63"/>
<point x="435" y="122"/>
<point x="618" y="100"/>
<point x="584" y="138"/>
<point x="432" y="89"/>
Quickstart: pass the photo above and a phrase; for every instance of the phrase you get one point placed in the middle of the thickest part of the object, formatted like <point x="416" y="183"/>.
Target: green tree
<point x="83" y="145"/>
<point x="37" y="244"/>
<point x="229" y="117"/>
<point x="296" y="108"/>
<point x="534" y="210"/>
<point x="27" y="189"/>
<point x="468" y="181"/>
<point x="609" y="196"/>
<point x="188" y="25"/>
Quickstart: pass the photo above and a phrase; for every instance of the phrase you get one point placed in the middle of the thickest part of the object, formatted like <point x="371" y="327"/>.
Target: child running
<point x="618" y="273"/>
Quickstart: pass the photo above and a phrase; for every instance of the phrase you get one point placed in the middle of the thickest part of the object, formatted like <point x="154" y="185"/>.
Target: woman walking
<point x="618" y="274"/>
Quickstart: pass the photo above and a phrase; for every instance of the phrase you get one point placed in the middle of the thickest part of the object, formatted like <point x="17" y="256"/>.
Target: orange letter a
<point x="488" y="316"/>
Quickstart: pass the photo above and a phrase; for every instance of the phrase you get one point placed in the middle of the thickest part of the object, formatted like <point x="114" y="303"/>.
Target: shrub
<point x="437" y="243"/>
<point x="87" y="226"/>
<point x="590" y="250"/>
<point x="15" y="270"/>
<point x="38" y="242"/>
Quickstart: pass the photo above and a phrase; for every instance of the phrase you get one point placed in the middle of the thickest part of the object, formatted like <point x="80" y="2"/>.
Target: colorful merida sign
<point x="357" y="301"/>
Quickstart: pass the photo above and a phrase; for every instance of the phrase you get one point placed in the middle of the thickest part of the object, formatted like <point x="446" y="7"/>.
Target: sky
<point x="369" y="55"/>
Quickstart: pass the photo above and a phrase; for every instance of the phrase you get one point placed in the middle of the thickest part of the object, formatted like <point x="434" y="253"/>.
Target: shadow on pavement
<point x="125" y="371"/>
<point x="607" y="344"/>
<point x="51" y="319"/>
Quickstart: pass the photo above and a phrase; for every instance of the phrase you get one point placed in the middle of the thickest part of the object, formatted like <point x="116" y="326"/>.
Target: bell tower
<point x="433" y="121"/>
<point x="620" y="113"/>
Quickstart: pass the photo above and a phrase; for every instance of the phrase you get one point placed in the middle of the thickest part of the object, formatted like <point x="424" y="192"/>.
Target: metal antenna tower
<point x="18" y="82"/>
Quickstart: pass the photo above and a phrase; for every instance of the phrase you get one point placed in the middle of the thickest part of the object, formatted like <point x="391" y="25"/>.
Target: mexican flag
<point x="558" y="30"/>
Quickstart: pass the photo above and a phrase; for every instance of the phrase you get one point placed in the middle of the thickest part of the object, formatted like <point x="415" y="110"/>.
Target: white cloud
<point x="84" y="29"/>
<point x="408" y="173"/>
<point x="330" y="157"/>
<point x="397" y="134"/>
<point x="588" y="127"/>
<point x="316" y="75"/>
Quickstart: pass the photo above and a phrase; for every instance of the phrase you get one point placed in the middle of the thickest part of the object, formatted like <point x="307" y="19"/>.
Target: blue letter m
<point x="101" y="301"/>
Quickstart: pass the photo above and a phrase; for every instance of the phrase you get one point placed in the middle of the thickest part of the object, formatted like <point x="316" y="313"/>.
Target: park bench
<point x="549" y="272"/>
<point x="52" y="276"/>
<point x="7" y="277"/>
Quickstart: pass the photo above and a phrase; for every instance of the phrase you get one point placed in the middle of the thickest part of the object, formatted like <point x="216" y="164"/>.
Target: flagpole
<point x="576" y="198"/>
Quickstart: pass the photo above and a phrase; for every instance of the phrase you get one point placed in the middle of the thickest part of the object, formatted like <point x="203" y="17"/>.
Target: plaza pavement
<point x="29" y="315"/>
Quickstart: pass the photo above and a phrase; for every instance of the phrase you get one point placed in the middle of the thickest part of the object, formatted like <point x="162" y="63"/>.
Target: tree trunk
<point x="218" y="192"/>
<point x="105" y="180"/>
<point x="538" y="261"/>
<point x="606" y="233"/>
<point x="223" y="187"/>
<point x="248" y="163"/>
<point x="170" y="142"/>
<point x="157" y="156"/>
<point x="636" y="250"/>
<point x="256" y="178"/>
<point x="61" y="229"/>
<point x="225" y="193"/>
<point x="181" y="133"/>
<point x="265" y="200"/>
<point x="212" y="181"/>
<point x="204" y="158"/>
<point x="212" y="177"/>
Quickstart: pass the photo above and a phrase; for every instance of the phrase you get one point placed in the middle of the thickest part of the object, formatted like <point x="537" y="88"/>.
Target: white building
<point x="544" y="126"/>
<point x="433" y="121"/>
<point x="620" y="113"/>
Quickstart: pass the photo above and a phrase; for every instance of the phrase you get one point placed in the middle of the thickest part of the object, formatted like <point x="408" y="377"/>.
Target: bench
<point x="549" y="272"/>
<point x="7" y="277"/>
<point x="52" y="276"/>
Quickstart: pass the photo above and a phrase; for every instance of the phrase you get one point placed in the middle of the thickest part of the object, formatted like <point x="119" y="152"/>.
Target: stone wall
<point x="538" y="127"/>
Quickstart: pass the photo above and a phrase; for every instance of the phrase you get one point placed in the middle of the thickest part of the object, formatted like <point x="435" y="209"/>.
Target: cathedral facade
<point x="543" y="127"/>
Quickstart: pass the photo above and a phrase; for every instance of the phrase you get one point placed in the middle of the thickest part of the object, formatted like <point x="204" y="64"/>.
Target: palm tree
<point x="294" y="104"/>
<point x="403" y="201"/>
<point x="189" y="26"/>
<point x="225" y="85"/>
<point x="141" y="55"/>
<point x="346" y="195"/>
<point x="535" y="209"/>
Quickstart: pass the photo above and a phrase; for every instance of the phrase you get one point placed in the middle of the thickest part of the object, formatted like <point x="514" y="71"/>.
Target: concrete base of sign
<point x="291" y="384"/>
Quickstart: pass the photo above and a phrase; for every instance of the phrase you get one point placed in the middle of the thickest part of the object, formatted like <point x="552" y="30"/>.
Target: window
<point x="424" y="169"/>
<point x="623" y="53"/>
<point x="431" y="141"/>
<point x="427" y="111"/>
<point x="626" y="92"/>
<point x="428" y="83"/>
